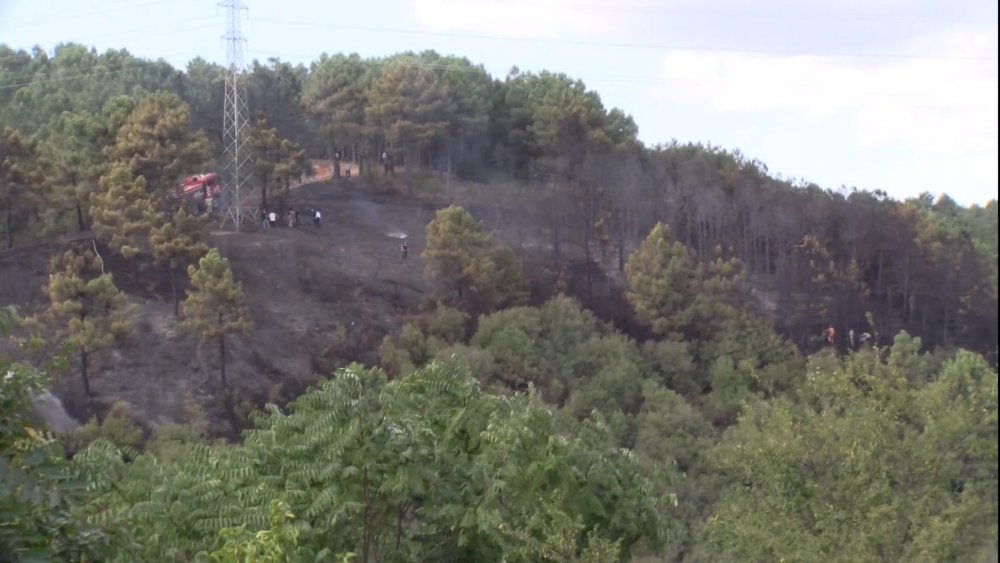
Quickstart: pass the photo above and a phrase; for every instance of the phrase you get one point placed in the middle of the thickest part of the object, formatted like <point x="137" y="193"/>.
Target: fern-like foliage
<point x="424" y="467"/>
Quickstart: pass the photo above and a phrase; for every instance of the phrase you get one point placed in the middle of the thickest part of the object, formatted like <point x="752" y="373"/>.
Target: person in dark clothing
<point x="404" y="250"/>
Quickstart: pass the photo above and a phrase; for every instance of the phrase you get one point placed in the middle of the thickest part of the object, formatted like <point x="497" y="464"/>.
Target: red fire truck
<point x="200" y="186"/>
<point x="199" y="193"/>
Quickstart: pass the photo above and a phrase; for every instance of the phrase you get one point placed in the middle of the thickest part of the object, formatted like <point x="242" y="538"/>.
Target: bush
<point x="118" y="428"/>
<point x="394" y="358"/>
<point x="445" y="323"/>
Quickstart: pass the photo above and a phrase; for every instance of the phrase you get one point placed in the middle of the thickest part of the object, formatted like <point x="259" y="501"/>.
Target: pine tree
<point x="482" y="272"/>
<point x="72" y="148"/>
<point x="178" y="243"/>
<point x="290" y="160"/>
<point x="663" y="276"/>
<point x="154" y="142"/>
<point x="21" y="187"/>
<point x="86" y="310"/>
<point x="214" y="308"/>
<point x="264" y="143"/>
<point x="678" y="295"/>
<point x="122" y="212"/>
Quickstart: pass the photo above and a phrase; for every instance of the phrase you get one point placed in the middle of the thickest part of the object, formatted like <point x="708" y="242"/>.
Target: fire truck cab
<point x="200" y="191"/>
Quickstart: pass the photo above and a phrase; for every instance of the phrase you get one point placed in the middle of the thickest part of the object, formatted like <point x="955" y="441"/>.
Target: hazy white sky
<point x="899" y="95"/>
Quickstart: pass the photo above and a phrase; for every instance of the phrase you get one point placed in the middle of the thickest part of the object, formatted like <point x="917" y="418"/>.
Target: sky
<point x="897" y="95"/>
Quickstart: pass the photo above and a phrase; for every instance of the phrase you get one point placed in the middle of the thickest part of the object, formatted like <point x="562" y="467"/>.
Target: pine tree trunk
<point x="79" y="218"/>
<point x="83" y="371"/>
<point x="878" y="276"/>
<point x="222" y="359"/>
<point x="587" y="256"/>
<point x="447" y="178"/>
<point x="621" y="241"/>
<point x="767" y="256"/>
<point x="222" y="353"/>
<point x="173" y="291"/>
<point x="9" y="225"/>
<point x="411" y="163"/>
<point x="556" y="239"/>
<point x="907" y="311"/>
<point x="79" y="207"/>
<point x="944" y="326"/>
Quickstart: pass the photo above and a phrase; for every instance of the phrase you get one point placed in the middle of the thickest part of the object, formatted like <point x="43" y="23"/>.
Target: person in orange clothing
<point x="831" y="335"/>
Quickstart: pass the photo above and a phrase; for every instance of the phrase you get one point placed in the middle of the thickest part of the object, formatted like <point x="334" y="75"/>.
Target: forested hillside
<point x="614" y="352"/>
<point x="818" y="256"/>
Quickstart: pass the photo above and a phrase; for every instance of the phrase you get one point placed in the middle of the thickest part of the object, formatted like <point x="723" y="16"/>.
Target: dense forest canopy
<point x="825" y="358"/>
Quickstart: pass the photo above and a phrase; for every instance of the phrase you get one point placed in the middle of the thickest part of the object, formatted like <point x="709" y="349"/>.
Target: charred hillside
<point x="539" y="147"/>
<point x="319" y="298"/>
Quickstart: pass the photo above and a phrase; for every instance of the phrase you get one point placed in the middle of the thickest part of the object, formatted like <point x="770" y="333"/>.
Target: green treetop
<point x="469" y="266"/>
<point x="177" y="243"/>
<point x="214" y="306"/>
<point x="86" y="310"/>
<point x="122" y="212"/>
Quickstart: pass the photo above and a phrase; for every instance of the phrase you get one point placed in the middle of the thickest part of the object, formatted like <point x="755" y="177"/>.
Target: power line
<point x="144" y="31"/>
<point x="27" y="74"/>
<point x="479" y="69"/>
<point x="620" y="7"/>
<point x="119" y="6"/>
<point x="641" y="46"/>
<point x="633" y="80"/>
<point x="615" y="45"/>
<point x="124" y="66"/>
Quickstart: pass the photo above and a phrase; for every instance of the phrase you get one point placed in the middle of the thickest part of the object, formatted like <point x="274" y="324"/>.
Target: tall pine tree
<point x="177" y="243"/>
<point x="72" y="150"/>
<point x="21" y="188"/>
<point x="122" y="211"/>
<point x="86" y="310"/>
<point x="469" y="266"/>
<point x="214" y="307"/>
<point x="155" y="143"/>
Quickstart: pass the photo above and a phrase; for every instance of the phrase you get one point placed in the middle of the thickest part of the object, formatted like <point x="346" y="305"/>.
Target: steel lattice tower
<point x="235" y="124"/>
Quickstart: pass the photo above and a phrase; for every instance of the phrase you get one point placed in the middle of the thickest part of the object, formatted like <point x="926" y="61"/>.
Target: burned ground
<point x="319" y="298"/>
<point x="303" y="287"/>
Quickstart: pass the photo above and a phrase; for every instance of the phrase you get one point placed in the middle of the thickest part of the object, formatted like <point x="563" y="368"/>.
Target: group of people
<point x="854" y="339"/>
<point x="388" y="166"/>
<point x="269" y="218"/>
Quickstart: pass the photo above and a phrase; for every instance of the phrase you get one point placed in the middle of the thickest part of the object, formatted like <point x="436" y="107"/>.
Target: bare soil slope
<point x="302" y="285"/>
